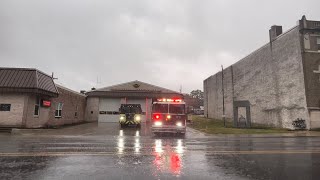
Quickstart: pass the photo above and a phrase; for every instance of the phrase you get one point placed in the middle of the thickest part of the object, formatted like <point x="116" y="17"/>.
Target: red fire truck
<point x="168" y="116"/>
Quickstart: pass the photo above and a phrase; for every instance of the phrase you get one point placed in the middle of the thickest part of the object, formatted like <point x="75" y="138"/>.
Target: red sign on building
<point x="46" y="103"/>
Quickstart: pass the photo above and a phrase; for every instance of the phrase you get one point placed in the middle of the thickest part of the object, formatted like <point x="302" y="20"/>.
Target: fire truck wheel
<point x="121" y="125"/>
<point x="138" y="126"/>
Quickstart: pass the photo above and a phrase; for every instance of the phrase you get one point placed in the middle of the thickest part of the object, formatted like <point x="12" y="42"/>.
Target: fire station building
<point x="29" y="98"/>
<point x="103" y="104"/>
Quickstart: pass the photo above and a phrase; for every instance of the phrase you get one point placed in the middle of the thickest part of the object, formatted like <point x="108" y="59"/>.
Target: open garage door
<point x="145" y="106"/>
<point x="109" y="110"/>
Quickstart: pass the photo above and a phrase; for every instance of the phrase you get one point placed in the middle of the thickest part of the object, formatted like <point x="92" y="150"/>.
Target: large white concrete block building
<point x="279" y="81"/>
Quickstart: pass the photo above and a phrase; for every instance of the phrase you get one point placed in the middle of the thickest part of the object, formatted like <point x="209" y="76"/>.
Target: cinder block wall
<point x="271" y="78"/>
<point x="12" y="118"/>
<point x="92" y="109"/>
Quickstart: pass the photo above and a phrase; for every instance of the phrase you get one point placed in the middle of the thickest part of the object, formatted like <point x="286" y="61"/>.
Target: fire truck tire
<point x="122" y="125"/>
<point x="138" y="126"/>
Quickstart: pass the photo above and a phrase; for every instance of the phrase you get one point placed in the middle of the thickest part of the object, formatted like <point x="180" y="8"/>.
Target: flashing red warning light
<point x="169" y="100"/>
<point x="156" y="116"/>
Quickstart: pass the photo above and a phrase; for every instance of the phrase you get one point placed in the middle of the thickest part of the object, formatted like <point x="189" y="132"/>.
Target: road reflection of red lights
<point x="168" y="160"/>
<point x="175" y="164"/>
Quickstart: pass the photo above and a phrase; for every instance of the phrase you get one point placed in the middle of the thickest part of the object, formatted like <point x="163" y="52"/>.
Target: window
<point x="5" y="107"/>
<point x="37" y="107"/>
<point x="318" y="43"/>
<point x="76" y="113"/>
<point x="176" y="108"/>
<point x="160" y="108"/>
<point x="58" y="112"/>
<point x="129" y="108"/>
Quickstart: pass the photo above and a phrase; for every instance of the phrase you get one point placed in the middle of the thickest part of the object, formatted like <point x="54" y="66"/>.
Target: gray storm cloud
<point x="167" y="43"/>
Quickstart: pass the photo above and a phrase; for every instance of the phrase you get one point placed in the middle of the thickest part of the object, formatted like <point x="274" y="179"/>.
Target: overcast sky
<point x="165" y="42"/>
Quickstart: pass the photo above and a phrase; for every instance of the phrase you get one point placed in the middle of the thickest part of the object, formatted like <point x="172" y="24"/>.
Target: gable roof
<point x="26" y="80"/>
<point x="136" y="86"/>
<point x="134" y="89"/>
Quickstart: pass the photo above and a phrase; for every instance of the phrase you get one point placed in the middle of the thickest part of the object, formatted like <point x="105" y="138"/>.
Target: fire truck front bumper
<point x="168" y="129"/>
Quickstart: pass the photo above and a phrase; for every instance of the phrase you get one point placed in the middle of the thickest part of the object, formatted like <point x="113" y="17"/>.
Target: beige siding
<point x="92" y="109"/>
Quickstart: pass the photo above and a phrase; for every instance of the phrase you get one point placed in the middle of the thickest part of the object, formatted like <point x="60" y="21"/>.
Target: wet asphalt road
<point x="104" y="151"/>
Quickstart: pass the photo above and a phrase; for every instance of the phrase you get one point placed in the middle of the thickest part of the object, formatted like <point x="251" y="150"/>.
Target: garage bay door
<point x="109" y="110"/>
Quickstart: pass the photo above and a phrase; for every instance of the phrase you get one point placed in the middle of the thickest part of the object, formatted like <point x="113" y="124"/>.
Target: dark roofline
<point x="38" y="71"/>
<point x="34" y="88"/>
<point x="133" y="94"/>
<point x="27" y="90"/>
<point x="69" y="90"/>
<point x="25" y="69"/>
<point x="110" y="87"/>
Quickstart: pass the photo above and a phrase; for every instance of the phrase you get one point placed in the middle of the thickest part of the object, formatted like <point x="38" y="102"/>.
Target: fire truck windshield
<point x="176" y="108"/>
<point x="160" y="108"/>
<point x="130" y="108"/>
<point x="169" y="108"/>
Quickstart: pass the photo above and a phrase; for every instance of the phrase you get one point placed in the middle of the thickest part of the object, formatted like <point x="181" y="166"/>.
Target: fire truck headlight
<point x="122" y="117"/>
<point x="168" y="117"/>
<point x="158" y="123"/>
<point x="179" y="124"/>
<point x="138" y="118"/>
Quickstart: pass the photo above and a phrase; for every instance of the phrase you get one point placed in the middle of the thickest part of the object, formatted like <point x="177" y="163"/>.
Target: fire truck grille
<point x="129" y="116"/>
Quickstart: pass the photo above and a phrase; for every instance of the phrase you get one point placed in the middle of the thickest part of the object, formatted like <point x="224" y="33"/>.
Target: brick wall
<point x="73" y="103"/>
<point x="271" y="78"/>
<point x="32" y="121"/>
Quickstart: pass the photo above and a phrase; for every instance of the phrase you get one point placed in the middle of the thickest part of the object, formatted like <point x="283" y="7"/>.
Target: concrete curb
<point x="292" y="134"/>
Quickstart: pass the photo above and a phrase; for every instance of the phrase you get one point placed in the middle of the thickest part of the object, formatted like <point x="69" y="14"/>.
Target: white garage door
<point x="109" y="110"/>
<point x="145" y="108"/>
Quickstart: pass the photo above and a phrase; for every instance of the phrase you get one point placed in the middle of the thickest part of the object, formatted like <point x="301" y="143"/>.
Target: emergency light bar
<point x="169" y="100"/>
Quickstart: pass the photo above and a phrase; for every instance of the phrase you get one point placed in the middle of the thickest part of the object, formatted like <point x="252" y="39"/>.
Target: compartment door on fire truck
<point x="109" y="110"/>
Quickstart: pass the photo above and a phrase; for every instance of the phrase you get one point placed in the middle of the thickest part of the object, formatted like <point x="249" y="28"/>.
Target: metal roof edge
<point x="70" y="90"/>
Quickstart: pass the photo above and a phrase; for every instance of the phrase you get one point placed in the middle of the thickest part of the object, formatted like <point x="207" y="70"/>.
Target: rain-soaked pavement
<point x="104" y="151"/>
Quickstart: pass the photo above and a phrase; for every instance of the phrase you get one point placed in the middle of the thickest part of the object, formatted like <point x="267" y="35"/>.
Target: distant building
<point x="280" y="81"/>
<point x="103" y="104"/>
<point x="30" y="99"/>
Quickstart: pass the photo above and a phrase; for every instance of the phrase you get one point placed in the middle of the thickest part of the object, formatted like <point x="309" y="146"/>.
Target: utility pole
<point x="223" y="115"/>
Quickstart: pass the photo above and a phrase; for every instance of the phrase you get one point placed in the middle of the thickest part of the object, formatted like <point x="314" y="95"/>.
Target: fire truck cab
<point x="130" y="114"/>
<point x="168" y="116"/>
